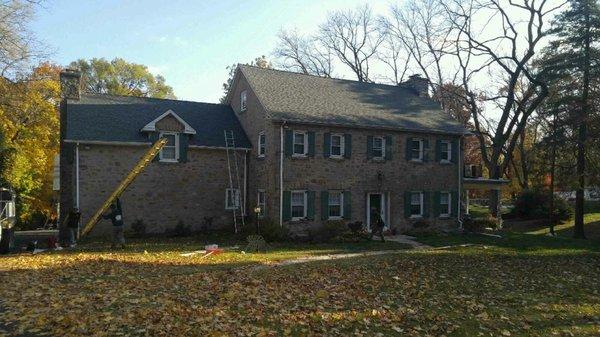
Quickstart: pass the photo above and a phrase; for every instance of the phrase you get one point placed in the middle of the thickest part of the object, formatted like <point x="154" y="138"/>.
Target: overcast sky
<point x="189" y="42"/>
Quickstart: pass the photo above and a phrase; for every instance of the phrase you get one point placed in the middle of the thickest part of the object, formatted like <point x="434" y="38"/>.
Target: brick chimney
<point x="70" y="84"/>
<point x="417" y="83"/>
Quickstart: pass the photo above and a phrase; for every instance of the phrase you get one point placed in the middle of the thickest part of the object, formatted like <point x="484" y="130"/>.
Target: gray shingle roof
<point x="120" y="118"/>
<point x="311" y="99"/>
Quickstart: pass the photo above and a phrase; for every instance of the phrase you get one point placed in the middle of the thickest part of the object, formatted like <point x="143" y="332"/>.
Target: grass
<point x="520" y="285"/>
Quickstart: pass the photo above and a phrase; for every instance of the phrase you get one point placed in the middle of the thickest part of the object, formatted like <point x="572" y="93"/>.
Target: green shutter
<point x="436" y="203"/>
<point x="426" y="204"/>
<point x="455" y="146"/>
<point x="347" y="205"/>
<point x="153" y="138"/>
<point x="183" y="147"/>
<point x="326" y="144"/>
<point x="454" y="201"/>
<point x="425" y="149"/>
<point x="408" y="153"/>
<point x="388" y="147"/>
<point x="369" y="147"/>
<point x="347" y="145"/>
<point x="289" y="143"/>
<point x="438" y="150"/>
<point x="407" y="204"/>
<point x="310" y="207"/>
<point x="324" y="205"/>
<point x="311" y="143"/>
<point x="287" y="205"/>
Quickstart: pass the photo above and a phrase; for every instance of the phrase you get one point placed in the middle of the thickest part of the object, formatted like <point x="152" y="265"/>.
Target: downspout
<point x="77" y="183"/>
<point x="246" y="182"/>
<point x="460" y="164"/>
<point x="281" y="144"/>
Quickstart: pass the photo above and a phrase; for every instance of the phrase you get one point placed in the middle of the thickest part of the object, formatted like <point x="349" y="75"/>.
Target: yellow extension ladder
<point x="139" y="167"/>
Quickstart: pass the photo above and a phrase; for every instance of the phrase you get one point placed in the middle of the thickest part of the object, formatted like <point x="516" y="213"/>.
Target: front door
<point x="375" y="203"/>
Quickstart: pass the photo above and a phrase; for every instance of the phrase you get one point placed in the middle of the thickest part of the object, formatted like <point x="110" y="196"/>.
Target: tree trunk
<point x="494" y="201"/>
<point x="552" y="172"/>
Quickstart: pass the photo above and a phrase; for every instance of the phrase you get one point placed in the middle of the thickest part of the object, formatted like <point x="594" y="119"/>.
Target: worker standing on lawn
<point x="116" y="217"/>
<point x="72" y="222"/>
<point x="377" y="224"/>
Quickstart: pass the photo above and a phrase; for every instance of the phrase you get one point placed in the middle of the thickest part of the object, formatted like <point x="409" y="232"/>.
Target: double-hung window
<point x="445" y="151"/>
<point x="300" y="143"/>
<point x="336" y="204"/>
<point x="169" y="152"/>
<point x="299" y="200"/>
<point x="378" y="148"/>
<point x="243" y="100"/>
<point x="416" y="149"/>
<point x="232" y="198"/>
<point x="261" y="202"/>
<point x="262" y="144"/>
<point x="337" y="146"/>
<point x="445" y="204"/>
<point x="416" y="204"/>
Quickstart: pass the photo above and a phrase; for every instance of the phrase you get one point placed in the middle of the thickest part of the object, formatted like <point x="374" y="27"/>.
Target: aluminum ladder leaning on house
<point x="238" y="205"/>
<point x="139" y="167"/>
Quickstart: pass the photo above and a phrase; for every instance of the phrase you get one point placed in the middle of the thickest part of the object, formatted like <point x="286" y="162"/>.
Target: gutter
<point x="281" y="156"/>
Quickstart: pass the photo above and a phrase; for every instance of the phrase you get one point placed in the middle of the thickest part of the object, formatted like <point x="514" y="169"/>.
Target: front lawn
<point x="149" y="289"/>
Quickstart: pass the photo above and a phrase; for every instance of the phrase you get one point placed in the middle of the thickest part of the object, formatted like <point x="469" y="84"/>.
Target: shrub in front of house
<point x="329" y="231"/>
<point x="180" y="230"/>
<point x="270" y="230"/>
<point x="477" y="225"/>
<point x="138" y="228"/>
<point x="535" y="204"/>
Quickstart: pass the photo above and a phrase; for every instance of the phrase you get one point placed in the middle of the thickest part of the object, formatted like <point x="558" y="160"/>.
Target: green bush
<point x="270" y="230"/>
<point x="329" y="231"/>
<point x="256" y="244"/>
<point x="476" y="225"/>
<point x="535" y="204"/>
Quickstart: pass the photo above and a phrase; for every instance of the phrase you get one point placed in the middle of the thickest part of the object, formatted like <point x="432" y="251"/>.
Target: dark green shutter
<point x="311" y="143"/>
<point x="183" y="147"/>
<point x="388" y="147"/>
<point x="437" y="199"/>
<point x="454" y="201"/>
<point x="408" y="152"/>
<point x="289" y="143"/>
<point x="153" y="138"/>
<point x="326" y="144"/>
<point x="407" y="195"/>
<point x="324" y="205"/>
<point x="287" y="205"/>
<point x="438" y="150"/>
<point x="455" y="145"/>
<point x="347" y="205"/>
<point x="369" y="147"/>
<point x="310" y="207"/>
<point x="425" y="150"/>
<point x="426" y="204"/>
<point x="347" y="145"/>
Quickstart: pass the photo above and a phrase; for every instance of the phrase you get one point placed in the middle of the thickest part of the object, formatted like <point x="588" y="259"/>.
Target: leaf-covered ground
<point x="517" y="286"/>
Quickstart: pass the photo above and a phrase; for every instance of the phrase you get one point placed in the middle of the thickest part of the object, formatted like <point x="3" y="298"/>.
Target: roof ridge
<point x="322" y="77"/>
<point x="150" y="98"/>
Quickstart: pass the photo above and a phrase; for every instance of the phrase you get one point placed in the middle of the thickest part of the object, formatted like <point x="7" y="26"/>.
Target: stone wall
<point x="163" y="194"/>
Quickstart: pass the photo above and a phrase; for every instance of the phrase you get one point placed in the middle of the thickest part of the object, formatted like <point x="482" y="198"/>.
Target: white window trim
<point x="420" y="215"/>
<point x="236" y="197"/>
<point x="305" y="154"/>
<point x="449" y="160"/>
<point x="292" y="205"/>
<point x="449" y="210"/>
<point x="342" y="146"/>
<point x="421" y="149"/>
<point x="263" y="206"/>
<point x="243" y="100"/>
<point x="341" y="216"/>
<point x="382" y="147"/>
<point x="160" y="154"/>
<point x="262" y="134"/>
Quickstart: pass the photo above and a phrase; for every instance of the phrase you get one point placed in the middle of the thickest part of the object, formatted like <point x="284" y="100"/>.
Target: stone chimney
<point x="417" y="83"/>
<point x="70" y="84"/>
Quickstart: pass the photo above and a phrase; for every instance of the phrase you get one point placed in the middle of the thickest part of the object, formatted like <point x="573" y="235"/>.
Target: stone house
<point x="312" y="149"/>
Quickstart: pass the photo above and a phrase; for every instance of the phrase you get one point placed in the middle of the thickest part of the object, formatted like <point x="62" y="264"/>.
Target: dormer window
<point x="243" y="100"/>
<point x="169" y="153"/>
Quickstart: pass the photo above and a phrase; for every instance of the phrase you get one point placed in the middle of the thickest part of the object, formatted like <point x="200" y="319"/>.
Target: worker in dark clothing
<point x="72" y="223"/>
<point x="377" y="224"/>
<point x="116" y="217"/>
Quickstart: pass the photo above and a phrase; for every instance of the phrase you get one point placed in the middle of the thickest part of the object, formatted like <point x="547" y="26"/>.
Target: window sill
<point x="337" y="157"/>
<point x="445" y="162"/>
<point x="418" y="161"/>
<point x="445" y="216"/>
<point x="298" y="219"/>
<point x="260" y="157"/>
<point x="416" y="217"/>
<point x="335" y="218"/>
<point x="378" y="159"/>
<point x="299" y="156"/>
<point x="168" y="161"/>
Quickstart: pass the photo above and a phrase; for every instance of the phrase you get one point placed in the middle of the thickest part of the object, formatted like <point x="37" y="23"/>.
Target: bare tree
<point x="303" y="54"/>
<point x="395" y="57"/>
<point x="353" y="37"/>
<point x="490" y="40"/>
